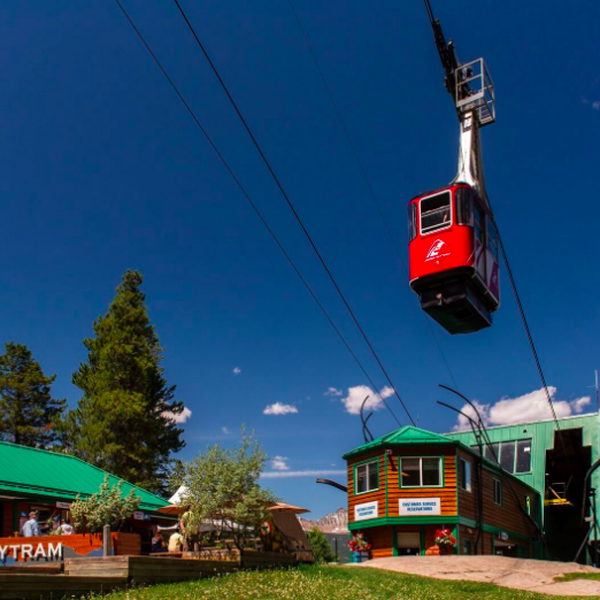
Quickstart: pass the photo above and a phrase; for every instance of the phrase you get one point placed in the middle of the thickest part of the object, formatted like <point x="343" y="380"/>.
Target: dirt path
<point x="522" y="574"/>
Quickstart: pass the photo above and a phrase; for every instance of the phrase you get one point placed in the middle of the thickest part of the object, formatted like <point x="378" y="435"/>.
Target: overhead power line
<point x="293" y="209"/>
<point x="254" y="207"/>
<point x="366" y="177"/>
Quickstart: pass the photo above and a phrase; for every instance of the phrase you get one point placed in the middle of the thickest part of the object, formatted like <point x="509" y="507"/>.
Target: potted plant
<point x="359" y="547"/>
<point x="445" y="541"/>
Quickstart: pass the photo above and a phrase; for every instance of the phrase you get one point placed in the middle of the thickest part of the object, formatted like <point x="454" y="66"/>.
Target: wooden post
<point x="106" y="542"/>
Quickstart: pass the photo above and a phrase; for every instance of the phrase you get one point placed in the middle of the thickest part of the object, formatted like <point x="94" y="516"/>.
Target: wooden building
<point x="404" y="486"/>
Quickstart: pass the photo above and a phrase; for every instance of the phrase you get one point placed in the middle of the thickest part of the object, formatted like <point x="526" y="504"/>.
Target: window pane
<point x="478" y="224"/>
<point x="465" y="475"/>
<point x="373" y="476"/>
<point x="523" y="456"/>
<point x="431" y="471"/>
<point x="462" y="201"/>
<point x="488" y="451"/>
<point x="507" y="456"/>
<point x="361" y="478"/>
<point x="412" y="222"/>
<point x="410" y="472"/>
<point x="475" y="449"/>
<point x="468" y="476"/>
<point x="435" y="212"/>
<point x="497" y="491"/>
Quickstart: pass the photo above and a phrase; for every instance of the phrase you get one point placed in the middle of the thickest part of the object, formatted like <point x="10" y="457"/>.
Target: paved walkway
<point x="522" y="574"/>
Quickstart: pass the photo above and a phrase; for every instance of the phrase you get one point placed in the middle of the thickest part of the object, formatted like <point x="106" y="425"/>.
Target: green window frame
<point x="420" y="460"/>
<point x="497" y="491"/>
<point x="517" y="447"/>
<point x="367" y="465"/>
<point x="465" y="477"/>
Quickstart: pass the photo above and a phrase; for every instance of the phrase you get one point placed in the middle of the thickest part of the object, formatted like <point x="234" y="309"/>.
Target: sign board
<point x="63" y="505"/>
<point x="417" y="507"/>
<point x="33" y="552"/>
<point x="138" y="515"/>
<point x="503" y="536"/>
<point x="367" y="510"/>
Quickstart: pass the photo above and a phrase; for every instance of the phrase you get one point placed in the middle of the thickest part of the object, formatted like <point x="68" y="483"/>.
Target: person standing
<point x="31" y="528"/>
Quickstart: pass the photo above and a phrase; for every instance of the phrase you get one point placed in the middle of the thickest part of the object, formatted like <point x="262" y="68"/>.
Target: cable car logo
<point x="434" y="251"/>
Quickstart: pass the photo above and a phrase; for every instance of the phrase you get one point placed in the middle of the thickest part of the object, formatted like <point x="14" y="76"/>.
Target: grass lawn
<point x="571" y="576"/>
<point x="325" y="583"/>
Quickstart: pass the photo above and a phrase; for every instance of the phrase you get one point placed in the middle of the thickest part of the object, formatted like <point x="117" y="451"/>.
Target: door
<point x="408" y="543"/>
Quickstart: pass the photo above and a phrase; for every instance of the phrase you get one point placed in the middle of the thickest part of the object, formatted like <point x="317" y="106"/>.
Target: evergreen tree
<point x="125" y="420"/>
<point x="27" y="410"/>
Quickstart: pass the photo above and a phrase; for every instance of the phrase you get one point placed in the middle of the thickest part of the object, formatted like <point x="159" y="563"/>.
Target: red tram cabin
<point x="453" y="248"/>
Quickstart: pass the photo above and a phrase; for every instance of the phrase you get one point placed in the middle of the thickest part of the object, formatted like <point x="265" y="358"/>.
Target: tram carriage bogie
<point x="454" y="257"/>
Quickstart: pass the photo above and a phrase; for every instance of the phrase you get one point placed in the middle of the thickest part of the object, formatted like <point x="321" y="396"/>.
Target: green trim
<point x="422" y="540"/>
<point x="366" y="462"/>
<point x="434" y="519"/>
<point x="467" y="522"/>
<point x="456" y="534"/>
<point x="394" y="541"/>
<point x="387" y="514"/>
<point x="456" y="463"/>
<point x="422" y="487"/>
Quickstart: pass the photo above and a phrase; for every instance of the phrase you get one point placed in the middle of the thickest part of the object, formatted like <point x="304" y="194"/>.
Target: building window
<point x="421" y="472"/>
<point x="492" y="451"/>
<point x="523" y="456"/>
<point x="464" y="473"/>
<point x="366" y="477"/>
<point x="497" y="491"/>
<point x="513" y="456"/>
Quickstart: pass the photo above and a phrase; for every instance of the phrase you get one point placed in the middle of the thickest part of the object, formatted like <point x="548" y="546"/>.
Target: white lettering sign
<point x="53" y="552"/>
<point x="419" y="507"/>
<point x="63" y="505"/>
<point x="368" y="510"/>
<point x="138" y="515"/>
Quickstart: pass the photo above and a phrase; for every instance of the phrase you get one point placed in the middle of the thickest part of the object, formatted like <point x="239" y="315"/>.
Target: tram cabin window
<point x="436" y="212"/>
<point x="479" y="220"/>
<point x="463" y="206"/>
<point x="367" y="477"/>
<point x="412" y="222"/>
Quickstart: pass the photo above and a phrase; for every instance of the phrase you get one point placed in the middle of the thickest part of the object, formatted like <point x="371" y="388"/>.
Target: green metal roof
<point x="405" y="435"/>
<point x="44" y="473"/>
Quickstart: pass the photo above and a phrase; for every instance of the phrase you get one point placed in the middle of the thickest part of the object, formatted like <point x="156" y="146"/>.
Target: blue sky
<point x="101" y="170"/>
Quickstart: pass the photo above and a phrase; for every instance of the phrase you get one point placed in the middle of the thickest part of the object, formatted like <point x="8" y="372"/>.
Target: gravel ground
<point x="518" y="573"/>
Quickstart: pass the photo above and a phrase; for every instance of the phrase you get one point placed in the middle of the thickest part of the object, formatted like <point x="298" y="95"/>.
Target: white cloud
<point x="225" y="430"/>
<point x="523" y="409"/>
<point x="306" y="473"/>
<point x="236" y="370"/>
<point x="278" y="463"/>
<point x="596" y="105"/>
<point x="182" y="417"/>
<point x="358" y="393"/>
<point x="279" y="409"/>
<point x="331" y="391"/>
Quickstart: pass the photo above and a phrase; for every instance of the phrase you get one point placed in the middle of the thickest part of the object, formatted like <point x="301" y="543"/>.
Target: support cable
<point x="293" y="209"/>
<point x="365" y="175"/>
<point x="253" y="205"/>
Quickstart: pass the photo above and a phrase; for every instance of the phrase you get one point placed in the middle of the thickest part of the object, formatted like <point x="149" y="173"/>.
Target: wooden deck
<point x="80" y="576"/>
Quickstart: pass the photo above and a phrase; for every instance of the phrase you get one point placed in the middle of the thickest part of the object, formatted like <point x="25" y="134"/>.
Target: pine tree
<point x="125" y="421"/>
<point x="27" y="410"/>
